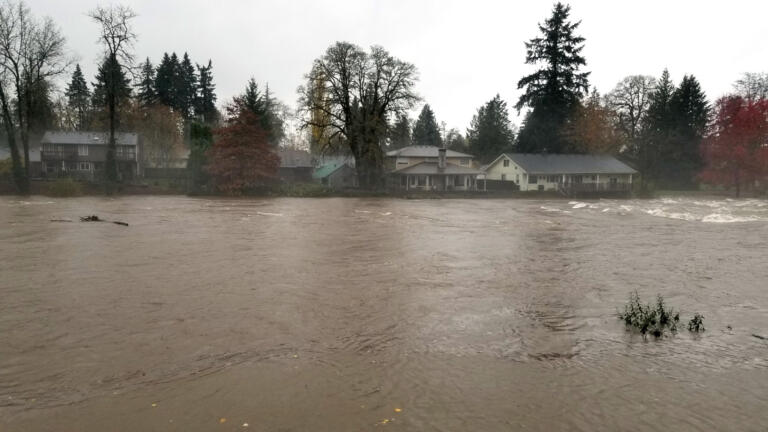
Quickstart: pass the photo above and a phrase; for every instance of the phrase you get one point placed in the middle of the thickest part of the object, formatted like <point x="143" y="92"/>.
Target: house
<point x="567" y="173"/>
<point x="83" y="154"/>
<point x="431" y="168"/>
<point x="295" y="165"/>
<point x="336" y="175"/>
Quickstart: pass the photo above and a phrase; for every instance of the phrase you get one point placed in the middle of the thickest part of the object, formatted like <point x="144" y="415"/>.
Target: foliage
<point x="242" y="157"/>
<point x="630" y="100"/>
<point x="426" y="132"/>
<point x="187" y="87"/>
<point x="648" y="318"/>
<point x="348" y="97"/>
<point x="201" y="140"/>
<point x="205" y="101"/>
<point x="735" y="152"/>
<point x="166" y="80"/>
<point x="79" y="99"/>
<point x="455" y="141"/>
<point x="553" y="91"/>
<point x="65" y="187"/>
<point x="264" y="106"/>
<point x="108" y="69"/>
<point x="400" y="133"/>
<point x="146" y="94"/>
<point x="752" y="86"/>
<point x="690" y="114"/>
<point x="592" y="128"/>
<point x="490" y="132"/>
<point x="696" y="324"/>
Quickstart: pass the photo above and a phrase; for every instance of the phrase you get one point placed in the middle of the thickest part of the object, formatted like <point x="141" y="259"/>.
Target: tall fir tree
<point x="79" y="99"/>
<point x="108" y="69"/>
<point x="490" y="132"/>
<point x="205" y="100"/>
<point x="400" y="133"/>
<point x="187" y="90"/>
<point x="165" y="80"/>
<point x="690" y="114"/>
<point x="426" y="132"/>
<point x="264" y="106"/>
<point x="554" y="90"/>
<point x="146" y="94"/>
<point x="657" y="129"/>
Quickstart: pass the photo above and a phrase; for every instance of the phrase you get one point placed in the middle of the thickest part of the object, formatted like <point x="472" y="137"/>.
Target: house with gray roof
<point x="83" y="154"/>
<point x="431" y="168"/>
<point x="568" y="173"/>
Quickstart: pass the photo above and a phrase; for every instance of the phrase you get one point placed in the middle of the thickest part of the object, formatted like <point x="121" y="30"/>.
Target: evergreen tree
<point x="555" y="90"/>
<point x="205" y="101"/>
<point x="108" y="69"/>
<point x="79" y="98"/>
<point x="400" y="133"/>
<point x="264" y="106"/>
<point x="657" y="131"/>
<point x="166" y="81"/>
<point x="187" y="87"/>
<point x="455" y="141"/>
<point x="146" y="95"/>
<point x="690" y="114"/>
<point x="201" y="140"/>
<point x="490" y="133"/>
<point x="41" y="115"/>
<point x="426" y="132"/>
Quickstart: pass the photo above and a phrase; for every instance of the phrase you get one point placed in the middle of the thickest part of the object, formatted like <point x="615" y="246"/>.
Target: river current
<point x="368" y="314"/>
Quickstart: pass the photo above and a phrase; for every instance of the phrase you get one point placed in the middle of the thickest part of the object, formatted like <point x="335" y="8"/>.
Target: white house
<point x="570" y="173"/>
<point x="431" y="168"/>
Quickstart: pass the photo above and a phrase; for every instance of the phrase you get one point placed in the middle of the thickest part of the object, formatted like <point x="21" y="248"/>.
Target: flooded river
<point x="369" y="314"/>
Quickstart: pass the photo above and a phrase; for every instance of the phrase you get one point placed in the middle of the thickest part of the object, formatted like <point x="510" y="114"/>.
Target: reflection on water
<point x="296" y="314"/>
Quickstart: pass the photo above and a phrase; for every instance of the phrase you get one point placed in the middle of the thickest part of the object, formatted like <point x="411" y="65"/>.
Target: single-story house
<point x="568" y="173"/>
<point x="336" y="175"/>
<point x="83" y="154"/>
<point x="295" y="165"/>
<point x="431" y="168"/>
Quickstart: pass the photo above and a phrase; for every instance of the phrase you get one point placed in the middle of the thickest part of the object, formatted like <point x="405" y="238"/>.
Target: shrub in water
<point x="648" y="318"/>
<point x="696" y="324"/>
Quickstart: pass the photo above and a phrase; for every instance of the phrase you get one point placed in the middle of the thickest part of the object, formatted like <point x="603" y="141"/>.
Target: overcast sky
<point x="466" y="51"/>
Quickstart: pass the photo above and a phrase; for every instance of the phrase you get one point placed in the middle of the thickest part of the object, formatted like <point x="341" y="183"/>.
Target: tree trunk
<point x="20" y="179"/>
<point x="110" y="164"/>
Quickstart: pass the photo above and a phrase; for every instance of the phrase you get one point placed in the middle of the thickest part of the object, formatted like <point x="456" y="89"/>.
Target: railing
<point x="571" y="189"/>
<point x="59" y="155"/>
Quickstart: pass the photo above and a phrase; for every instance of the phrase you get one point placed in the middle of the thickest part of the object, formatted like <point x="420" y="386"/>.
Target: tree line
<point x="356" y="101"/>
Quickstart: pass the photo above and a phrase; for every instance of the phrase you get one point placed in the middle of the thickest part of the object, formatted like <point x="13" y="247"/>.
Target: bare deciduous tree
<point x="31" y="52"/>
<point x="630" y="100"/>
<point x="349" y="96"/>
<point x="752" y="86"/>
<point x="118" y="37"/>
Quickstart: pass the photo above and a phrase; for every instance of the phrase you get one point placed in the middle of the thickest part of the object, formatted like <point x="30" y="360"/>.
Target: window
<point x="464" y="162"/>
<point x="576" y="179"/>
<point x="84" y="166"/>
<point x="503" y="176"/>
<point x="517" y="178"/>
<point x="552" y="179"/>
<point x="403" y="181"/>
<point x="402" y="161"/>
<point x="82" y="150"/>
<point x="422" y="180"/>
<point x="457" y="181"/>
<point x="506" y="163"/>
<point x="532" y="179"/>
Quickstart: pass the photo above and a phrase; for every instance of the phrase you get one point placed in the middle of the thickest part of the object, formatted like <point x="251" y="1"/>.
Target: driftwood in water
<point x="94" y="218"/>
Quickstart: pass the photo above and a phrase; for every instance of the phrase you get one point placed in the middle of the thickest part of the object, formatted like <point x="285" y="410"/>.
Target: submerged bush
<point x="655" y="319"/>
<point x="65" y="187"/>
<point x="648" y="318"/>
<point x="696" y="324"/>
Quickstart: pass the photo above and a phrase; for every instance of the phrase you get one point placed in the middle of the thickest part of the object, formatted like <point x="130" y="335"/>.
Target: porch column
<point x="597" y="184"/>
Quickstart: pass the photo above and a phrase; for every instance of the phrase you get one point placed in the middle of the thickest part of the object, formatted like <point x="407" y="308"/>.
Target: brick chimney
<point x="441" y="158"/>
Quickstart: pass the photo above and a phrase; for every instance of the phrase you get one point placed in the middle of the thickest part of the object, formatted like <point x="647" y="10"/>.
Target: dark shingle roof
<point x="569" y="164"/>
<point x="424" y="151"/>
<point x="423" y="168"/>
<point x="92" y="138"/>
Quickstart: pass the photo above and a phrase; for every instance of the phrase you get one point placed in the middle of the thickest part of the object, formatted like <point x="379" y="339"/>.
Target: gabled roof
<point x="425" y="168"/>
<point x="92" y="138"/>
<point x="328" y="169"/>
<point x="568" y="163"/>
<point x="424" y="151"/>
<point x="292" y="158"/>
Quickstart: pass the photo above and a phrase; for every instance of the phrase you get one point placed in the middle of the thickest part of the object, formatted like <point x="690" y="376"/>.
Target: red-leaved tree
<point x="736" y="151"/>
<point x="241" y="157"/>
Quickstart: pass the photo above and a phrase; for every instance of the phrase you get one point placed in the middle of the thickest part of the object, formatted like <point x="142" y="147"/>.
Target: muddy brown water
<point x="333" y="314"/>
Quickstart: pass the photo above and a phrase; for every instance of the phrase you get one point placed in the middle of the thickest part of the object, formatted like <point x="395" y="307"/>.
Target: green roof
<point x="326" y="170"/>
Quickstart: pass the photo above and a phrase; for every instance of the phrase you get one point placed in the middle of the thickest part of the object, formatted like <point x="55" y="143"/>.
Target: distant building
<point x="431" y="168"/>
<point x="295" y="165"/>
<point x="336" y="175"/>
<point x="83" y="154"/>
<point x="568" y="173"/>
